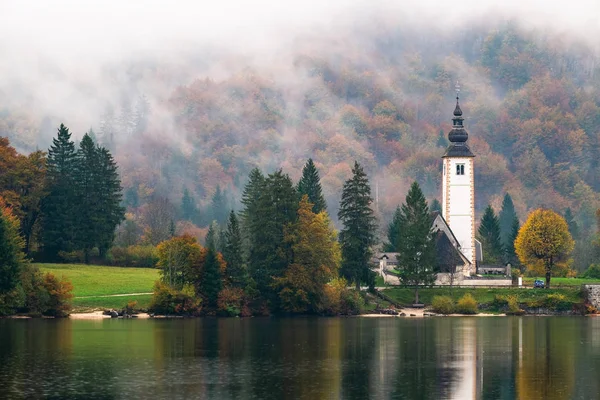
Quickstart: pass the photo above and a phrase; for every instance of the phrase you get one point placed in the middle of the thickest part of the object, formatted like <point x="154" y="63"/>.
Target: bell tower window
<point x="460" y="169"/>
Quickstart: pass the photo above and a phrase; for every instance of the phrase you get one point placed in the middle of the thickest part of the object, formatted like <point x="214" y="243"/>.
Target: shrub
<point x="73" y="257"/>
<point x="339" y="300"/>
<point x="130" y="307"/>
<point x="513" y="306"/>
<point x="467" y="304"/>
<point x="442" y="304"/>
<point x="233" y="302"/>
<point x="169" y="301"/>
<point x="134" y="256"/>
<point x="59" y="295"/>
<point x="593" y="272"/>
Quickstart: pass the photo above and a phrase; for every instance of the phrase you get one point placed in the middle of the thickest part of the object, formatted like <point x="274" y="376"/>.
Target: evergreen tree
<point x="221" y="240"/>
<point x="188" y="206"/>
<point x="506" y="217"/>
<point x="310" y="185"/>
<point x="249" y="214"/>
<point x="393" y="232"/>
<point x="511" y="255"/>
<point x="436" y="206"/>
<point x="276" y="207"/>
<point x="573" y="227"/>
<point x="358" y="234"/>
<point x="86" y="190"/>
<point x="233" y="253"/>
<point x="416" y="244"/>
<point x="59" y="206"/>
<point x="109" y="195"/>
<point x="210" y="240"/>
<point x="219" y="206"/>
<point x="211" y="278"/>
<point x="489" y="235"/>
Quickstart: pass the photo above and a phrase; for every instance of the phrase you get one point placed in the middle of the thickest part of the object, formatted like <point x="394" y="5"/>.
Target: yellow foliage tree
<point x="544" y="242"/>
<point x="316" y="259"/>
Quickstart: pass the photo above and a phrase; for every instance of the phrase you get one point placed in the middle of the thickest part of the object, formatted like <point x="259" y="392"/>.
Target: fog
<point x="68" y="59"/>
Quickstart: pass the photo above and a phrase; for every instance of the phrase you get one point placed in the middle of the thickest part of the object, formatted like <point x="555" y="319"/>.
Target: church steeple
<point x="458" y="136"/>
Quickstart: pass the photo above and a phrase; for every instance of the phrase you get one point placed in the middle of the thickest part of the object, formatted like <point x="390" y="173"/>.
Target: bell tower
<point x="458" y="187"/>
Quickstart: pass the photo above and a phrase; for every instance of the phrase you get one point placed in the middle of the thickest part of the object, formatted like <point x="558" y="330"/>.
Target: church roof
<point x="458" y="136"/>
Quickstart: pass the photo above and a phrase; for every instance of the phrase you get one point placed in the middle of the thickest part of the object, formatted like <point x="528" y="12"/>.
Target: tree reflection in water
<point x="312" y="358"/>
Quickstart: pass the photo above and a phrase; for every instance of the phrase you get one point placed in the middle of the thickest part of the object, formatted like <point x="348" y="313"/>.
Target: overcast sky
<point x="53" y="54"/>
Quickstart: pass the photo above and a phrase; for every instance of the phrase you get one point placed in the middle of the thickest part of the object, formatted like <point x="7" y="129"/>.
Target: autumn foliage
<point x="544" y="243"/>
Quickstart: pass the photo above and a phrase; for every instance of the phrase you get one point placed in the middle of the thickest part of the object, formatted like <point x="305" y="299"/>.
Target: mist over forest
<point x="195" y="96"/>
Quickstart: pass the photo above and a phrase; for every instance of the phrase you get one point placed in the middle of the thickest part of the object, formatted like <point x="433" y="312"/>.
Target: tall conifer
<point x="505" y="218"/>
<point x="489" y="235"/>
<point x="310" y="185"/>
<point x="393" y="232"/>
<point x="60" y="205"/>
<point x="358" y="233"/>
<point x="233" y="253"/>
<point x="416" y="244"/>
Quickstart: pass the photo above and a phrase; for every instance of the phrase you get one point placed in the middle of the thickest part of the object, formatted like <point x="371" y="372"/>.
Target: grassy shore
<point x="406" y="296"/>
<point x="94" y="286"/>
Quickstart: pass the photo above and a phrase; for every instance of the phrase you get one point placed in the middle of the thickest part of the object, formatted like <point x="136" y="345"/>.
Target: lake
<point x="302" y="358"/>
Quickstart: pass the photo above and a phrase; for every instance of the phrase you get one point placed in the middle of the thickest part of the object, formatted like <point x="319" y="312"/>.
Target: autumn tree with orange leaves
<point x="544" y="242"/>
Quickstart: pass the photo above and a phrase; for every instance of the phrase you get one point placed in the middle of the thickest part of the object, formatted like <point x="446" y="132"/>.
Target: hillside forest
<point x="185" y="145"/>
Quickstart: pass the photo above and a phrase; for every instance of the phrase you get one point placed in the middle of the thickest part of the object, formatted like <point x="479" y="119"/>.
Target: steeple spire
<point x="458" y="136"/>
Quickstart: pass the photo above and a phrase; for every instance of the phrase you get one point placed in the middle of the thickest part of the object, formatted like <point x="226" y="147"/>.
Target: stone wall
<point x="592" y="294"/>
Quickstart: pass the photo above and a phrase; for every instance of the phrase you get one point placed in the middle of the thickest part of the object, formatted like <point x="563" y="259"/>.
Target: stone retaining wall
<point x="592" y="294"/>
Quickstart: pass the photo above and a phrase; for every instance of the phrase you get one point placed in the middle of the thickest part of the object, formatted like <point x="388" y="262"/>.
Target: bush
<point x="339" y="300"/>
<point x="466" y="304"/>
<point x="169" y="301"/>
<point x="130" y="307"/>
<point x="59" y="295"/>
<point x="134" y="256"/>
<point x="593" y="272"/>
<point x="513" y="306"/>
<point x="233" y="302"/>
<point x="442" y="304"/>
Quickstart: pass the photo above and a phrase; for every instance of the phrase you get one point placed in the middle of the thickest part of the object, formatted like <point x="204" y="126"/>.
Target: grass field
<point x="90" y="282"/>
<point x="561" y="282"/>
<point x="406" y="296"/>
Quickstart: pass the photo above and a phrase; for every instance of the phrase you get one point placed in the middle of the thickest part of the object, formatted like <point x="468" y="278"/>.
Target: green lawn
<point x="406" y="296"/>
<point x="95" y="280"/>
<point x="561" y="282"/>
<point x="91" y="303"/>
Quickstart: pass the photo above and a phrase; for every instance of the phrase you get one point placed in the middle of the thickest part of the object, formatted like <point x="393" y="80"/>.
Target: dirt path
<point x="111" y="295"/>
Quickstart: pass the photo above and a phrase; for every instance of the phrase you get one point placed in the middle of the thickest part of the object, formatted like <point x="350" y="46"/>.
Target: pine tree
<point x="489" y="235"/>
<point x="87" y="192"/>
<point x="573" y="226"/>
<point x="221" y="240"/>
<point x="232" y="253"/>
<point x="393" y="232"/>
<point x="506" y="217"/>
<point x="511" y="255"/>
<point x="310" y="185"/>
<point x="188" y="206"/>
<point x="211" y="278"/>
<point x="275" y="208"/>
<point x="59" y="206"/>
<point x="210" y="240"/>
<point x="358" y="234"/>
<point x="416" y="244"/>
<point x="109" y="195"/>
<point x="219" y="206"/>
<point x="436" y="206"/>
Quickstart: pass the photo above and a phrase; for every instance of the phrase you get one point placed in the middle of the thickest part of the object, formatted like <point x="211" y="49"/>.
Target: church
<point x="458" y="252"/>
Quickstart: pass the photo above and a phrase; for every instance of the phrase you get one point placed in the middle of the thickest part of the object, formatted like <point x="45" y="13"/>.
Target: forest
<point x="531" y="102"/>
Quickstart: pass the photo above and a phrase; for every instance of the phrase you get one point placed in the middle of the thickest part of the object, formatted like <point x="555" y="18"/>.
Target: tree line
<point x="280" y="253"/>
<point x="67" y="201"/>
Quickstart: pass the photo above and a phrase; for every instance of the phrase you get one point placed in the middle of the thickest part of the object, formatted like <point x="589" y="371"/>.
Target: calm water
<point x="308" y="358"/>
